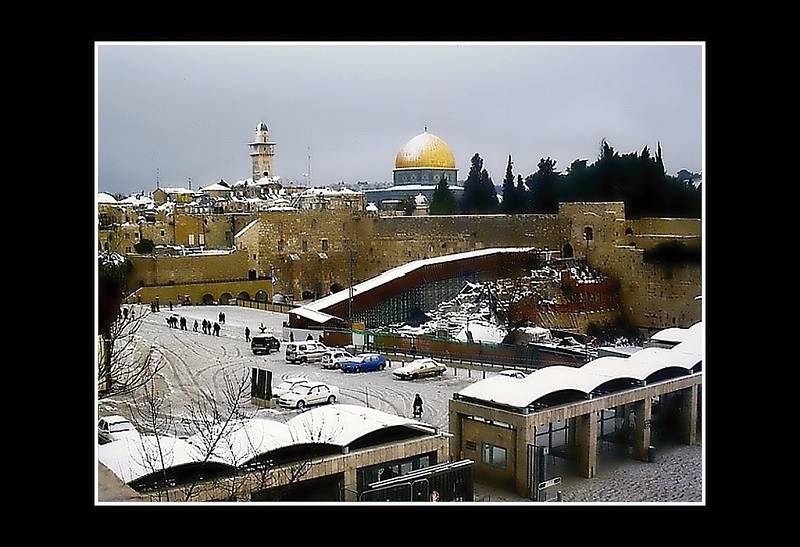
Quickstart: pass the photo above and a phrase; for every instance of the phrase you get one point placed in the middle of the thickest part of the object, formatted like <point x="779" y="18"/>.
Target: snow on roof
<point x="168" y="190"/>
<point x="102" y="197"/>
<point x="677" y="334"/>
<point x="216" y="186"/>
<point x="400" y="271"/>
<point x="413" y="187"/>
<point x="314" y="315"/>
<point x="338" y="425"/>
<point x="132" y="458"/>
<point x="640" y="366"/>
<point x="243" y="230"/>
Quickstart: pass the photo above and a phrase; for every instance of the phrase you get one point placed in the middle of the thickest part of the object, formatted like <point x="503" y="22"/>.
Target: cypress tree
<point x="488" y="194"/>
<point x="522" y="195"/>
<point x="509" y="191"/>
<point x="472" y="186"/>
<point x="443" y="201"/>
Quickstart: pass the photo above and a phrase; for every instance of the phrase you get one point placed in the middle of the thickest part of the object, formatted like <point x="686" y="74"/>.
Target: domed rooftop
<point x="426" y="150"/>
<point x="102" y="197"/>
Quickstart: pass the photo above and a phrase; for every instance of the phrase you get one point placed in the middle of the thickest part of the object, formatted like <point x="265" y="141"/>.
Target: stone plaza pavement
<point x="675" y="476"/>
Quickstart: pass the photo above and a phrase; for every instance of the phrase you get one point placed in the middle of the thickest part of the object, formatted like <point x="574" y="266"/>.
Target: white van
<point x="303" y="352"/>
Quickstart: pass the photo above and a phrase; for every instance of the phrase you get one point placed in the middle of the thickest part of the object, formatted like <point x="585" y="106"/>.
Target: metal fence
<point x="265" y="306"/>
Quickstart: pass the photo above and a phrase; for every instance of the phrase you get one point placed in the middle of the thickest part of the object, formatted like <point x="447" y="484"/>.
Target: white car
<point x="420" y="368"/>
<point x="287" y="384"/>
<point x="114" y="428"/>
<point x="304" y="352"/>
<point x="311" y="393"/>
<point x="333" y="357"/>
<point x="518" y="374"/>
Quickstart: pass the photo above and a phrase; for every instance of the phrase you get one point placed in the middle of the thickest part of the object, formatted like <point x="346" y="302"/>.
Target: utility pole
<point x="350" y="289"/>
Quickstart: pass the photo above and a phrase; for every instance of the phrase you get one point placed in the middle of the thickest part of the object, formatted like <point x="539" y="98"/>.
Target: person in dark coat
<point x="133" y="314"/>
<point x="413" y="349"/>
<point x="309" y="337"/>
<point x="170" y="305"/>
<point x="125" y="313"/>
<point x="220" y="317"/>
<point x="216" y="329"/>
<point x="417" y="406"/>
<point x="205" y="326"/>
<point x="291" y="336"/>
<point x="223" y="318"/>
<point x="183" y="323"/>
<point x="158" y="304"/>
<point x="247" y="334"/>
<point x="195" y="325"/>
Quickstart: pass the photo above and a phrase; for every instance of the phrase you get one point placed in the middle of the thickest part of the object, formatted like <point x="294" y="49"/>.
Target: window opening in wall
<point x="324" y="243"/>
<point x="305" y="246"/>
<point x="588" y="233"/>
<point x="191" y="240"/>
<point x="494" y="455"/>
<point x="280" y="245"/>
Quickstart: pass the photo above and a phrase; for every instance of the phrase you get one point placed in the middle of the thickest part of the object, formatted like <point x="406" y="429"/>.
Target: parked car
<point x="287" y="384"/>
<point x="311" y="393"/>
<point x="332" y="357"/>
<point x="303" y="352"/>
<point x="364" y="363"/>
<point x="264" y="343"/>
<point x="114" y="428"/>
<point x="420" y="368"/>
<point x="518" y="374"/>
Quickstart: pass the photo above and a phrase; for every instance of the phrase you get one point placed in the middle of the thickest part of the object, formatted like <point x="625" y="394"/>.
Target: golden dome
<point x="425" y="151"/>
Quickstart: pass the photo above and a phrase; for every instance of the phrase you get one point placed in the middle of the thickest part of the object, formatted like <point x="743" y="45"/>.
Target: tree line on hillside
<point x="637" y="179"/>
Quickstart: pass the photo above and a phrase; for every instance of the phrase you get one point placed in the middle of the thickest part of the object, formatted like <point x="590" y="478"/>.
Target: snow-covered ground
<point x="195" y="361"/>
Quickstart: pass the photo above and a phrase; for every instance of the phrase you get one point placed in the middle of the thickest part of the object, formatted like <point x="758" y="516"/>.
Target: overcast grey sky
<point x="190" y="110"/>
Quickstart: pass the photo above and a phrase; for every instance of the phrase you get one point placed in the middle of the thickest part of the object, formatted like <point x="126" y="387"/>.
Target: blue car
<point x="363" y="363"/>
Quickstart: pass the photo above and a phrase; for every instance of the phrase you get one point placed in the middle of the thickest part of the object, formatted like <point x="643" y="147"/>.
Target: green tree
<point x="522" y="195"/>
<point x="144" y="247"/>
<point x="544" y="187"/>
<point x="408" y="205"/>
<point x="472" y="186"/>
<point x="488" y="194"/>
<point x="443" y="201"/>
<point x="511" y="197"/>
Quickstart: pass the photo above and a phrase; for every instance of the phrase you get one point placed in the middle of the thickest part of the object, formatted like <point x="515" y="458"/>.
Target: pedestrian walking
<point x="417" y="406"/>
<point x="291" y="336"/>
<point x="158" y="304"/>
<point x="170" y="305"/>
<point x="309" y="337"/>
<point x="183" y="323"/>
<point x="223" y="318"/>
<point x="133" y="314"/>
<point x="247" y="334"/>
<point x="413" y="349"/>
<point x="219" y="318"/>
<point x="216" y="329"/>
<point x="205" y="326"/>
<point x="195" y="325"/>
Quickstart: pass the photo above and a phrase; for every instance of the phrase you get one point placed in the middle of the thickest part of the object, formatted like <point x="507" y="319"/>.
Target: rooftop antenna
<point x="158" y="181"/>
<point x="190" y="182"/>
<point x="308" y="174"/>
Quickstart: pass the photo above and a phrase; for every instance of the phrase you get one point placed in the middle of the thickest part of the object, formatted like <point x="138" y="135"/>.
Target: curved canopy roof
<point x="588" y="378"/>
<point x="336" y="425"/>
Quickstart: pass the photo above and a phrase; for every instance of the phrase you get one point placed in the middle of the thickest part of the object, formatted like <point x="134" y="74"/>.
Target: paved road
<point x="195" y="361"/>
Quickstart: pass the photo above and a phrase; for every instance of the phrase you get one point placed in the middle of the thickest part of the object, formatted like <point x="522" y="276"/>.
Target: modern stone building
<point x="505" y="424"/>
<point x="329" y="453"/>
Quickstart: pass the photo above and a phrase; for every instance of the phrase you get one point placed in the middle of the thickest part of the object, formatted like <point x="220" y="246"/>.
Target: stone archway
<point x="568" y="251"/>
<point x="243" y="296"/>
<point x="208" y="299"/>
<point x="224" y="298"/>
<point x="261" y="296"/>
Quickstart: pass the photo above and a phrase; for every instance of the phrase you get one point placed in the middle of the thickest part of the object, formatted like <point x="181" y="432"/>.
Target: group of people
<point x="208" y="326"/>
<point x="123" y="313"/>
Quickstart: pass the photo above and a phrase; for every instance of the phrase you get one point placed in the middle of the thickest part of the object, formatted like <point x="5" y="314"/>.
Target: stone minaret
<point x="261" y="152"/>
